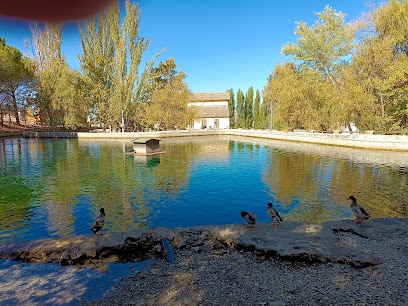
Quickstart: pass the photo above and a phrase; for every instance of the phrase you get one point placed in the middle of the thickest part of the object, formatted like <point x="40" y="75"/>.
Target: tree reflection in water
<point x="55" y="187"/>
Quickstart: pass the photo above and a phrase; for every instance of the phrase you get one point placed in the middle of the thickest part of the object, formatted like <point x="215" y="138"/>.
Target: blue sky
<point x="219" y="44"/>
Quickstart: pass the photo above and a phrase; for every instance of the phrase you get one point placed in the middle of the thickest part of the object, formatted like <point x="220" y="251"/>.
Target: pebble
<point x="240" y="278"/>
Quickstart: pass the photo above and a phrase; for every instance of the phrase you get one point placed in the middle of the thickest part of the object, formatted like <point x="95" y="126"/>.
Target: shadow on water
<point x="52" y="284"/>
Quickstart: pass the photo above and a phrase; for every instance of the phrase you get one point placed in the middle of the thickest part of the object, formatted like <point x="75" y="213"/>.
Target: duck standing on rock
<point x="99" y="222"/>
<point x="273" y="214"/>
<point x="249" y="217"/>
<point x="360" y="213"/>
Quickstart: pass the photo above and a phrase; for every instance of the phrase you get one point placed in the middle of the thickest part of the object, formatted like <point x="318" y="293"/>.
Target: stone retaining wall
<point x="356" y="140"/>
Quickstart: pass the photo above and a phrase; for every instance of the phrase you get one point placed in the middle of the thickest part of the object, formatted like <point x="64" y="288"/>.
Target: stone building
<point x="212" y="108"/>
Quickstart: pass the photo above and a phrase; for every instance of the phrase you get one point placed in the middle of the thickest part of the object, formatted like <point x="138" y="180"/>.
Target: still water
<point x="55" y="187"/>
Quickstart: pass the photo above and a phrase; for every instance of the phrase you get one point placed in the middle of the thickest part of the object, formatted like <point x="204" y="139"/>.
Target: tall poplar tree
<point x="112" y="53"/>
<point x="61" y="93"/>
<point x="47" y="42"/>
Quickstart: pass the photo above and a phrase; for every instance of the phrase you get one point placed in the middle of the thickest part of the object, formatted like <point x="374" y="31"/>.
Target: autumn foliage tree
<point x="389" y="62"/>
<point x="61" y="93"/>
<point x="168" y="107"/>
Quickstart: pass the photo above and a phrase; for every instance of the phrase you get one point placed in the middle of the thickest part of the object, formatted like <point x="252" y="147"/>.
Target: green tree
<point x="249" y="102"/>
<point x="231" y="108"/>
<point x="379" y="62"/>
<point x="240" y="123"/>
<point x="371" y="64"/>
<point x="301" y="98"/>
<point x="396" y="91"/>
<point x="16" y="74"/>
<point x="112" y="53"/>
<point x="68" y="94"/>
<point x="333" y="81"/>
<point x="47" y="42"/>
<point x="322" y="54"/>
<point x="287" y="104"/>
<point x="265" y="118"/>
<point x="257" y="105"/>
<point x="391" y="24"/>
<point x="96" y="63"/>
<point x="325" y="45"/>
<point x="61" y="94"/>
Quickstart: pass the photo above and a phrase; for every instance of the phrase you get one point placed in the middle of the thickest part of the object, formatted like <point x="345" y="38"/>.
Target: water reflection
<point x="52" y="188"/>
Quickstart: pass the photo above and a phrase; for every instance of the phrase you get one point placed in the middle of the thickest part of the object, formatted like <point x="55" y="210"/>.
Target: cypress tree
<point x="231" y="108"/>
<point x="249" y="102"/>
<point x="240" y="109"/>
<point x="257" y="103"/>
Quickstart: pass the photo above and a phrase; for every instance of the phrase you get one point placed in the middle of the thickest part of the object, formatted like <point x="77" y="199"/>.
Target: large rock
<point x="343" y="242"/>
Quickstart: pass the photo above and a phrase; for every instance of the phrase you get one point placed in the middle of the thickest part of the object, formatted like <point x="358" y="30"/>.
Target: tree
<point x="391" y="21"/>
<point x="231" y="109"/>
<point x="301" y="98"/>
<point x="67" y="92"/>
<point x="240" y="123"/>
<point x="16" y="74"/>
<point x="280" y="91"/>
<point x="96" y="63"/>
<point x="265" y="116"/>
<point x="61" y="95"/>
<point x="257" y="115"/>
<point x="397" y="92"/>
<point x="391" y="24"/>
<point x="168" y="107"/>
<point x="47" y="41"/>
<point x="325" y="45"/>
<point x="380" y="62"/>
<point x="332" y="81"/>
<point x="323" y="53"/>
<point x="249" y="102"/>
<point x="112" y="52"/>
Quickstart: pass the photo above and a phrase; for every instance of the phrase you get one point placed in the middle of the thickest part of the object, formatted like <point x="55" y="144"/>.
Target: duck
<point x="273" y="214"/>
<point x="359" y="211"/>
<point x="249" y="217"/>
<point x="99" y="222"/>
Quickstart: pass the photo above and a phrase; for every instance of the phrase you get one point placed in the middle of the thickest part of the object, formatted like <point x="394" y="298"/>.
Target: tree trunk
<point x="15" y="110"/>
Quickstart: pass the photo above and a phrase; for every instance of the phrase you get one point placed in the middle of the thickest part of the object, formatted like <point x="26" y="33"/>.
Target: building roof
<point x="210" y="96"/>
<point x="213" y="111"/>
<point x="144" y="140"/>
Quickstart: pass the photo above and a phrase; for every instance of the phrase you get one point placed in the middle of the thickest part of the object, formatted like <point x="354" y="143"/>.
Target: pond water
<point x="55" y="187"/>
<point x="52" y="284"/>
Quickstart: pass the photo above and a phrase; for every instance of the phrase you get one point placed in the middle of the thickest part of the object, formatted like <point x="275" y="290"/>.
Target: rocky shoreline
<point x="334" y="263"/>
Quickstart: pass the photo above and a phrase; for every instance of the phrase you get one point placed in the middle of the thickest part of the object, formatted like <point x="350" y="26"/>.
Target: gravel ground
<point x="230" y="277"/>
